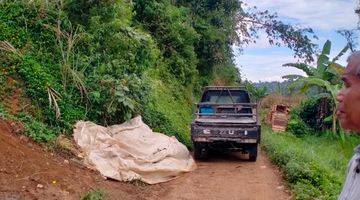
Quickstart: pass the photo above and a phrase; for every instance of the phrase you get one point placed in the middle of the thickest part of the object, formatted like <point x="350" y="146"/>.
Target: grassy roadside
<point x="313" y="166"/>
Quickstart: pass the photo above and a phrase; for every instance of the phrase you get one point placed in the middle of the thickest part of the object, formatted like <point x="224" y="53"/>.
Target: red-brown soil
<point x="229" y="177"/>
<point x="25" y="167"/>
<point x="27" y="171"/>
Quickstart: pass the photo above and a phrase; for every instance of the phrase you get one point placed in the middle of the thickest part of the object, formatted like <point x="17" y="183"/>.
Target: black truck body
<point x="225" y="119"/>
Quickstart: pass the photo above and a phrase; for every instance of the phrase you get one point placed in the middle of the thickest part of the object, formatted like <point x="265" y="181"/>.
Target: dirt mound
<point x="29" y="172"/>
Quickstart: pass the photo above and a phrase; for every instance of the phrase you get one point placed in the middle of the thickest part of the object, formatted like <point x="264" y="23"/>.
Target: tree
<point x="257" y="93"/>
<point x="218" y="24"/>
<point x="352" y="35"/>
<point x="325" y="75"/>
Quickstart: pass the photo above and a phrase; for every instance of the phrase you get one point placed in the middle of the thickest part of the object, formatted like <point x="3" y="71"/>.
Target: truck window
<point x="223" y="96"/>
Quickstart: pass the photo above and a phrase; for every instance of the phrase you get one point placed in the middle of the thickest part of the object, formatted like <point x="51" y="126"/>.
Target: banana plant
<point x="331" y="92"/>
<point x="325" y="75"/>
<point x="325" y="68"/>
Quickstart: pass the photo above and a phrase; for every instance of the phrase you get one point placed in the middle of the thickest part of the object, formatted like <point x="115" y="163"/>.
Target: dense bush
<point x="313" y="111"/>
<point x="95" y="62"/>
<point x="37" y="130"/>
<point x="171" y="27"/>
<point x="97" y="74"/>
<point x="296" y="125"/>
<point x="169" y="112"/>
<point x="310" y="117"/>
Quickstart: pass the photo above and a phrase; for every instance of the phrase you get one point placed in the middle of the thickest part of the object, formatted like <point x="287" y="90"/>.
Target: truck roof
<point x="224" y="87"/>
<point x="225" y="94"/>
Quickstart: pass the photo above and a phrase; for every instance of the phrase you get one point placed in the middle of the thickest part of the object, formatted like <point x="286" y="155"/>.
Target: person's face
<point x="349" y="99"/>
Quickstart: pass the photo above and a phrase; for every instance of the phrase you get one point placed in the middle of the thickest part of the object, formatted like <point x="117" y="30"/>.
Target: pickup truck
<point x="226" y="120"/>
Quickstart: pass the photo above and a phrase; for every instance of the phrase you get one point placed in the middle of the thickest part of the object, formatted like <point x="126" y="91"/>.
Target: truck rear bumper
<point x="237" y="140"/>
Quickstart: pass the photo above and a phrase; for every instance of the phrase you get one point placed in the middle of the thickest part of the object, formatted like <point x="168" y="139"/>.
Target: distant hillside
<point x="284" y="87"/>
<point x="275" y="86"/>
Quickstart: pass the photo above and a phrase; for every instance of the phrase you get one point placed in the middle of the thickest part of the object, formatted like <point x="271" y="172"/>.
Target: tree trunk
<point x="334" y="120"/>
<point x="322" y="114"/>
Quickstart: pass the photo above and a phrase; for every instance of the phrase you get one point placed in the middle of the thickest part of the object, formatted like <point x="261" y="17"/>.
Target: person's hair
<point x="355" y="55"/>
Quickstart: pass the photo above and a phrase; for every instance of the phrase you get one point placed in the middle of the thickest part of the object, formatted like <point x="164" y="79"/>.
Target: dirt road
<point x="229" y="177"/>
<point x="29" y="172"/>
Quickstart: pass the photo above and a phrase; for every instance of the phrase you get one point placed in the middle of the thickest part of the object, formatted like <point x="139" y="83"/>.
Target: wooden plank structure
<point x="279" y="117"/>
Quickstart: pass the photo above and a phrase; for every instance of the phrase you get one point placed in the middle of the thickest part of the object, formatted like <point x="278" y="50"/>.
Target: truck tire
<point x="253" y="151"/>
<point x="200" y="151"/>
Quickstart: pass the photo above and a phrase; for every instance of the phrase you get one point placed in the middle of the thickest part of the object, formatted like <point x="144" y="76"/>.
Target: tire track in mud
<point x="229" y="177"/>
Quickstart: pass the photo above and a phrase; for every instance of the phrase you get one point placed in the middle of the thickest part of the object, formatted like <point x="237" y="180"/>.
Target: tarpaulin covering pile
<point x="132" y="151"/>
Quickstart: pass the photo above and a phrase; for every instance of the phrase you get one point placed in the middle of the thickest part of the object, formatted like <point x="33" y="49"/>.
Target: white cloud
<point x="267" y="67"/>
<point x="266" y="64"/>
<point x="261" y="62"/>
<point x="317" y="14"/>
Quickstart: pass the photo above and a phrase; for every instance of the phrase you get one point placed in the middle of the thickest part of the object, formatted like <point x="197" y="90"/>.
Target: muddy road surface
<point x="27" y="171"/>
<point x="229" y="177"/>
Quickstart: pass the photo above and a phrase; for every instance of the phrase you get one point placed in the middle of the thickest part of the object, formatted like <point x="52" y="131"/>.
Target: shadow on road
<point x="218" y="156"/>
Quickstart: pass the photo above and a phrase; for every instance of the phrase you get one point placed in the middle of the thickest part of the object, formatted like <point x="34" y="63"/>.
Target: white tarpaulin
<point x="132" y="151"/>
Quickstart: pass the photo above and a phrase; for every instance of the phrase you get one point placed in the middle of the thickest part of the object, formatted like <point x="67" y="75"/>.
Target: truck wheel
<point x="200" y="151"/>
<point x="253" y="153"/>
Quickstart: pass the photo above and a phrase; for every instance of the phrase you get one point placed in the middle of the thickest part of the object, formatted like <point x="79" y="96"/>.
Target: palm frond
<point x="53" y="97"/>
<point x="323" y="59"/>
<point x="78" y="81"/>
<point x="326" y="48"/>
<point x="294" y="86"/>
<point x="302" y="66"/>
<point x="309" y="82"/>
<point x="66" y="42"/>
<point x="336" y="69"/>
<point x="324" y="95"/>
<point x="322" y="62"/>
<point x="292" y="77"/>
<point x="342" y="52"/>
<point x="8" y="47"/>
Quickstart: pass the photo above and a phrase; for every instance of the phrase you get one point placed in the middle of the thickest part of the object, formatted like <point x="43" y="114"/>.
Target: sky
<point x="262" y="62"/>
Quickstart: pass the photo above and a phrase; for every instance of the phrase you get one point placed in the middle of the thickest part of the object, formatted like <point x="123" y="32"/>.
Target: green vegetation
<point x="108" y="61"/>
<point x="326" y="76"/>
<point x="257" y="92"/>
<point x="313" y="158"/>
<point x="94" y="195"/>
<point x="314" y="166"/>
<point x="169" y="112"/>
<point x="310" y="117"/>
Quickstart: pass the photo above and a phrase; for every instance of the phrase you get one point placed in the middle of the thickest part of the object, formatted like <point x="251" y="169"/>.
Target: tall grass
<point x="314" y="166"/>
<point x="275" y="98"/>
